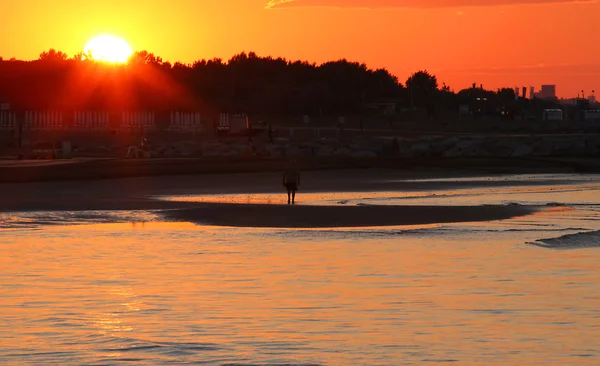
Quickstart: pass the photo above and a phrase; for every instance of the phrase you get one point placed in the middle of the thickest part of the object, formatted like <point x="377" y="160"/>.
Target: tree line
<point x="245" y="83"/>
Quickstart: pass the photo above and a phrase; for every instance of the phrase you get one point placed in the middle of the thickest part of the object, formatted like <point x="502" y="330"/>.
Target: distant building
<point x="547" y="92"/>
<point x="592" y="99"/>
<point x="591" y="115"/>
<point x="553" y="115"/>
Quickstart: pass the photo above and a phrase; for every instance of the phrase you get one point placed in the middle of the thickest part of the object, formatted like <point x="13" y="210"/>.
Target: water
<point x="126" y="287"/>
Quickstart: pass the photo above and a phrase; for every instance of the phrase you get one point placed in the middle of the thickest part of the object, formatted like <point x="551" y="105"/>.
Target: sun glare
<point x="108" y="48"/>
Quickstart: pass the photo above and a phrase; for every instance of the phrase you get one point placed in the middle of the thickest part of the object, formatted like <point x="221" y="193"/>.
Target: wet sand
<point x="148" y="194"/>
<point x="293" y="216"/>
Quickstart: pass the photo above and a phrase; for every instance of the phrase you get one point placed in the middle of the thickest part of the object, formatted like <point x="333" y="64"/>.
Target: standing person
<point x="291" y="181"/>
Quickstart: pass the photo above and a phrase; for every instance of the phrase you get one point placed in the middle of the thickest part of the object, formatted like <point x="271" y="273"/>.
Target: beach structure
<point x="7" y="120"/>
<point x="91" y="121"/>
<point x="233" y="123"/>
<point x="188" y="122"/>
<point x="43" y="121"/>
<point x="138" y="121"/>
<point x="553" y="115"/>
<point x="591" y="115"/>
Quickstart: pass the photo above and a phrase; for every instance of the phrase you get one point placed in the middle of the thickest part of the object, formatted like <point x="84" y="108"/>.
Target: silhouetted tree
<point x="246" y="82"/>
<point x="506" y="95"/>
<point x="145" y="58"/>
<point x="78" y="56"/>
<point x="83" y="56"/>
<point x="53" y="55"/>
<point x="422" y="88"/>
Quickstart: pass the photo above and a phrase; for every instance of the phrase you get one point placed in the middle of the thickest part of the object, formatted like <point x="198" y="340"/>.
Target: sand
<point x="284" y="216"/>
<point x="148" y="193"/>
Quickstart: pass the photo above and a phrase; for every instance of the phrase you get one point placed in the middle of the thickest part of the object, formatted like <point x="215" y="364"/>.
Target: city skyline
<point x="506" y="43"/>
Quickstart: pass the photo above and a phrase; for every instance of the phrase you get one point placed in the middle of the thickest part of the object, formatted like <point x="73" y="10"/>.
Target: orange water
<point x="158" y="293"/>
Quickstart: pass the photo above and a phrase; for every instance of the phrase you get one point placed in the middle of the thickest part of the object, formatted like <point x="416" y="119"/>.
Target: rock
<point x="187" y="148"/>
<point x="562" y="147"/>
<point x="454" y="152"/>
<point x="281" y="140"/>
<point x="275" y="154"/>
<point x="360" y="145"/>
<point x="578" y="148"/>
<point x="169" y="153"/>
<point x="275" y="150"/>
<point x="97" y="150"/>
<point x="471" y="148"/>
<point x="438" y="147"/>
<point x="239" y="147"/>
<point x="364" y="154"/>
<point x="403" y="151"/>
<point x="342" y="151"/>
<point x="591" y="150"/>
<point x="450" y="142"/>
<point x="158" y="148"/>
<point x="296" y="151"/>
<point x="510" y="147"/>
<point x="465" y="144"/>
<point x="500" y="151"/>
<point x="479" y="151"/>
<point x="213" y="147"/>
<point x="304" y="145"/>
<point x="421" y="149"/>
<point x="325" y="150"/>
<point x="521" y="151"/>
<point x="542" y="148"/>
<point x="592" y="147"/>
<point x="570" y="147"/>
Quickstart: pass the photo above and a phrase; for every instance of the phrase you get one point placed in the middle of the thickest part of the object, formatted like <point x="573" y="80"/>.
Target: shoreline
<point x="152" y="194"/>
<point x="98" y="169"/>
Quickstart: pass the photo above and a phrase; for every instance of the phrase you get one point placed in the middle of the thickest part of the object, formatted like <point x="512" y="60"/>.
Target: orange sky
<point x="507" y="44"/>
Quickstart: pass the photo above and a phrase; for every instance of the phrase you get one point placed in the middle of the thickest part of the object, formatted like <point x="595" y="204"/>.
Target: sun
<point x="108" y="48"/>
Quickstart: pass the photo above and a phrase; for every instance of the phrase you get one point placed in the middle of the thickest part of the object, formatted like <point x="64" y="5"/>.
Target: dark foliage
<point x="245" y="83"/>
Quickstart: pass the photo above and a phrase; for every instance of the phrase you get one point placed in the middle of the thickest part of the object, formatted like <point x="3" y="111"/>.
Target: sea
<point x="129" y="287"/>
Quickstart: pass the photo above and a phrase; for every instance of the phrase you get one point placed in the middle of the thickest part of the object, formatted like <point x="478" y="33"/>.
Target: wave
<point x="431" y="231"/>
<point x="581" y="240"/>
<point x="38" y="219"/>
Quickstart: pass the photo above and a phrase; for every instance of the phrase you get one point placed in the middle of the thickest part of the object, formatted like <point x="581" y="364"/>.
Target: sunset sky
<point x="504" y="43"/>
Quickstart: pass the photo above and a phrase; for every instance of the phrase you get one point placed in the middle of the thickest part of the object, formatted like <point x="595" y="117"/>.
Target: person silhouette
<point x="291" y="181"/>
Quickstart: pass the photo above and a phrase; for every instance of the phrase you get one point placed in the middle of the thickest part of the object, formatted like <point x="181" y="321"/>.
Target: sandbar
<point x="298" y="216"/>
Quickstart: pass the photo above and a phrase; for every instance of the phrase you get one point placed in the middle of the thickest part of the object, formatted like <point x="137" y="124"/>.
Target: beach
<point x="412" y="265"/>
<point x="148" y="193"/>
